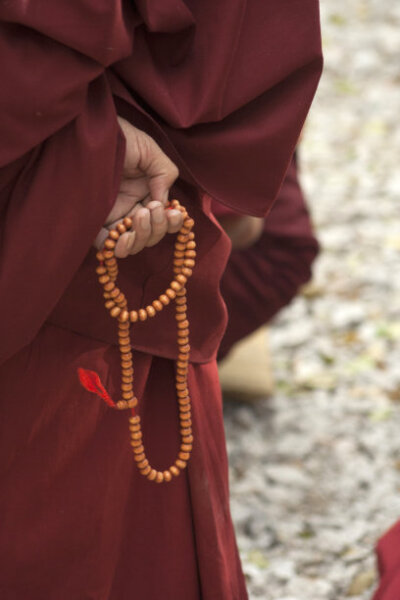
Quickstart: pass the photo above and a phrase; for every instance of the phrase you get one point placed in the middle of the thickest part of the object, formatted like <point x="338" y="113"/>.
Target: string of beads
<point x="116" y="304"/>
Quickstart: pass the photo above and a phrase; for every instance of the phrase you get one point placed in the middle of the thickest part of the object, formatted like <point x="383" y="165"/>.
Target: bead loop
<point x="117" y="306"/>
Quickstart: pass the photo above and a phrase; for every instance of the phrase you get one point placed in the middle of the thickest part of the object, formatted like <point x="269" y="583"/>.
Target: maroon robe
<point x="260" y="280"/>
<point x="78" y="520"/>
<point x="388" y="551"/>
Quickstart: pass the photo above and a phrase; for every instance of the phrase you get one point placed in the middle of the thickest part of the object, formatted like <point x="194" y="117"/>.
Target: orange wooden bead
<point x="151" y="311"/>
<point x="135" y="443"/>
<point x="174" y="470"/>
<point x="127" y="372"/>
<point x="114" y="292"/>
<point x="142" y="314"/>
<point x="125" y="364"/>
<point x="157" y="305"/>
<point x="127" y="395"/>
<point x="179" y="254"/>
<point x="180" y="314"/>
<point x="126" y="379"/>
<point x="191" y="245"/>
<point x="100" y="270"/>
<point x="134" y="419"/>
<point x="121" y="405"/>
<point x="170" y="293"/>
<point x="183" y="332"/>
<point x="146" y="470"/>
<point x="114" y="235"/>
<point x="143" y="464"/>
<point x="183" y="324"/>
<point x="124" y="316"/>
<point x="175" y="286"/>
<point x="187" y="439"/>
<point x="114" y="312"/>
<point x="142" y="456"/>
<point x="187" y="272"/>
<point x="179" y="246"/>
<point x="133" y="316"/>
<point x="159" y="477"/>
<point x="185" y="408"/>
<point x="152" y="475"/>
<point x="184" y="455"/>
<point x="186" y="422"/>
<point x="108" y="254"/>
<point x="189" y="262"/>
<point x="188" y="223"/>
<point x="181" y="464"/>
<point x="190" y="254"/>
<point x="180" y="301"/>
<point x="164" y="299"/>
<point x="128" y="222"/>
<point x="186" y="447"/>
<point x="126" y="387"/>
<point x="121" y="228"/>
<point x="109" y="304"/>
<point x="167" y="476"/>
<point x="120" y="298"/>
<point x="181" y="279"/>
<point x="109" y="244"/>
<point x="186" y="431"/>
<point x="183" y="341"/>
<point x="109" y="286"/>
<point x="137" y="435"/>
<point x="100" y="256"/>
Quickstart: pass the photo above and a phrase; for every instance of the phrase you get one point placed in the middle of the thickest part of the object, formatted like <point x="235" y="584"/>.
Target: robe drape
<point x="260" y="280"/>
<point x="78" y="520"/>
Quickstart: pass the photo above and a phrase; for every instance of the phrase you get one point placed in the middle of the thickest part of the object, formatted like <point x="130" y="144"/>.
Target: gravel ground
<point x="315" y="470"/>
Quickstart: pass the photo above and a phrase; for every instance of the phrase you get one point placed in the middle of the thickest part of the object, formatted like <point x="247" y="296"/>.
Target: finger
<point x="125" y="244"/>
<point x="159" y="169"/>
<point x="175" y="220"/>
<point x="142" y="226"/>
<point x="159" y="222"/>
<point x="101" y="238"/>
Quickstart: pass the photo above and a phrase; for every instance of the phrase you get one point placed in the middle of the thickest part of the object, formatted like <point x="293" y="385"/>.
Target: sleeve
<point x="61" y="150"/>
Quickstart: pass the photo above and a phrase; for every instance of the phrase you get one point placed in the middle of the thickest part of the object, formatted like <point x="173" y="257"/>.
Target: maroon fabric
<point x="260" y="280"/>
<point x="388" y="551"/>
<point x="77" y="519"/>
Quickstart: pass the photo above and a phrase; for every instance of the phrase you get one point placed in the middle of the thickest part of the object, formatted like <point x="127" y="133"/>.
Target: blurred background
<point x="315" y="468"/>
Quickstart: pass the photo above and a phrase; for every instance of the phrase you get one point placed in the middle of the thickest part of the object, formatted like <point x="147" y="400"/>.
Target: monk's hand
<point x="147" y="177"/>
<point x="244" y="231"/>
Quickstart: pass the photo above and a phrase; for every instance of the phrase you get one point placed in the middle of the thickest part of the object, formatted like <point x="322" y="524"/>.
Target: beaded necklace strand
<point x="117" y="306"/>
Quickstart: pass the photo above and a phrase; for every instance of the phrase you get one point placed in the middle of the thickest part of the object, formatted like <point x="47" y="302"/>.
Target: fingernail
<point x="145" y="221"/>
<point x="158" y="215"/>
<point x="175" y="216"/>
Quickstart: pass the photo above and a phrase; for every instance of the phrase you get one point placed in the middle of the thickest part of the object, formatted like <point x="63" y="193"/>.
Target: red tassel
<point x="92" y="383"/>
